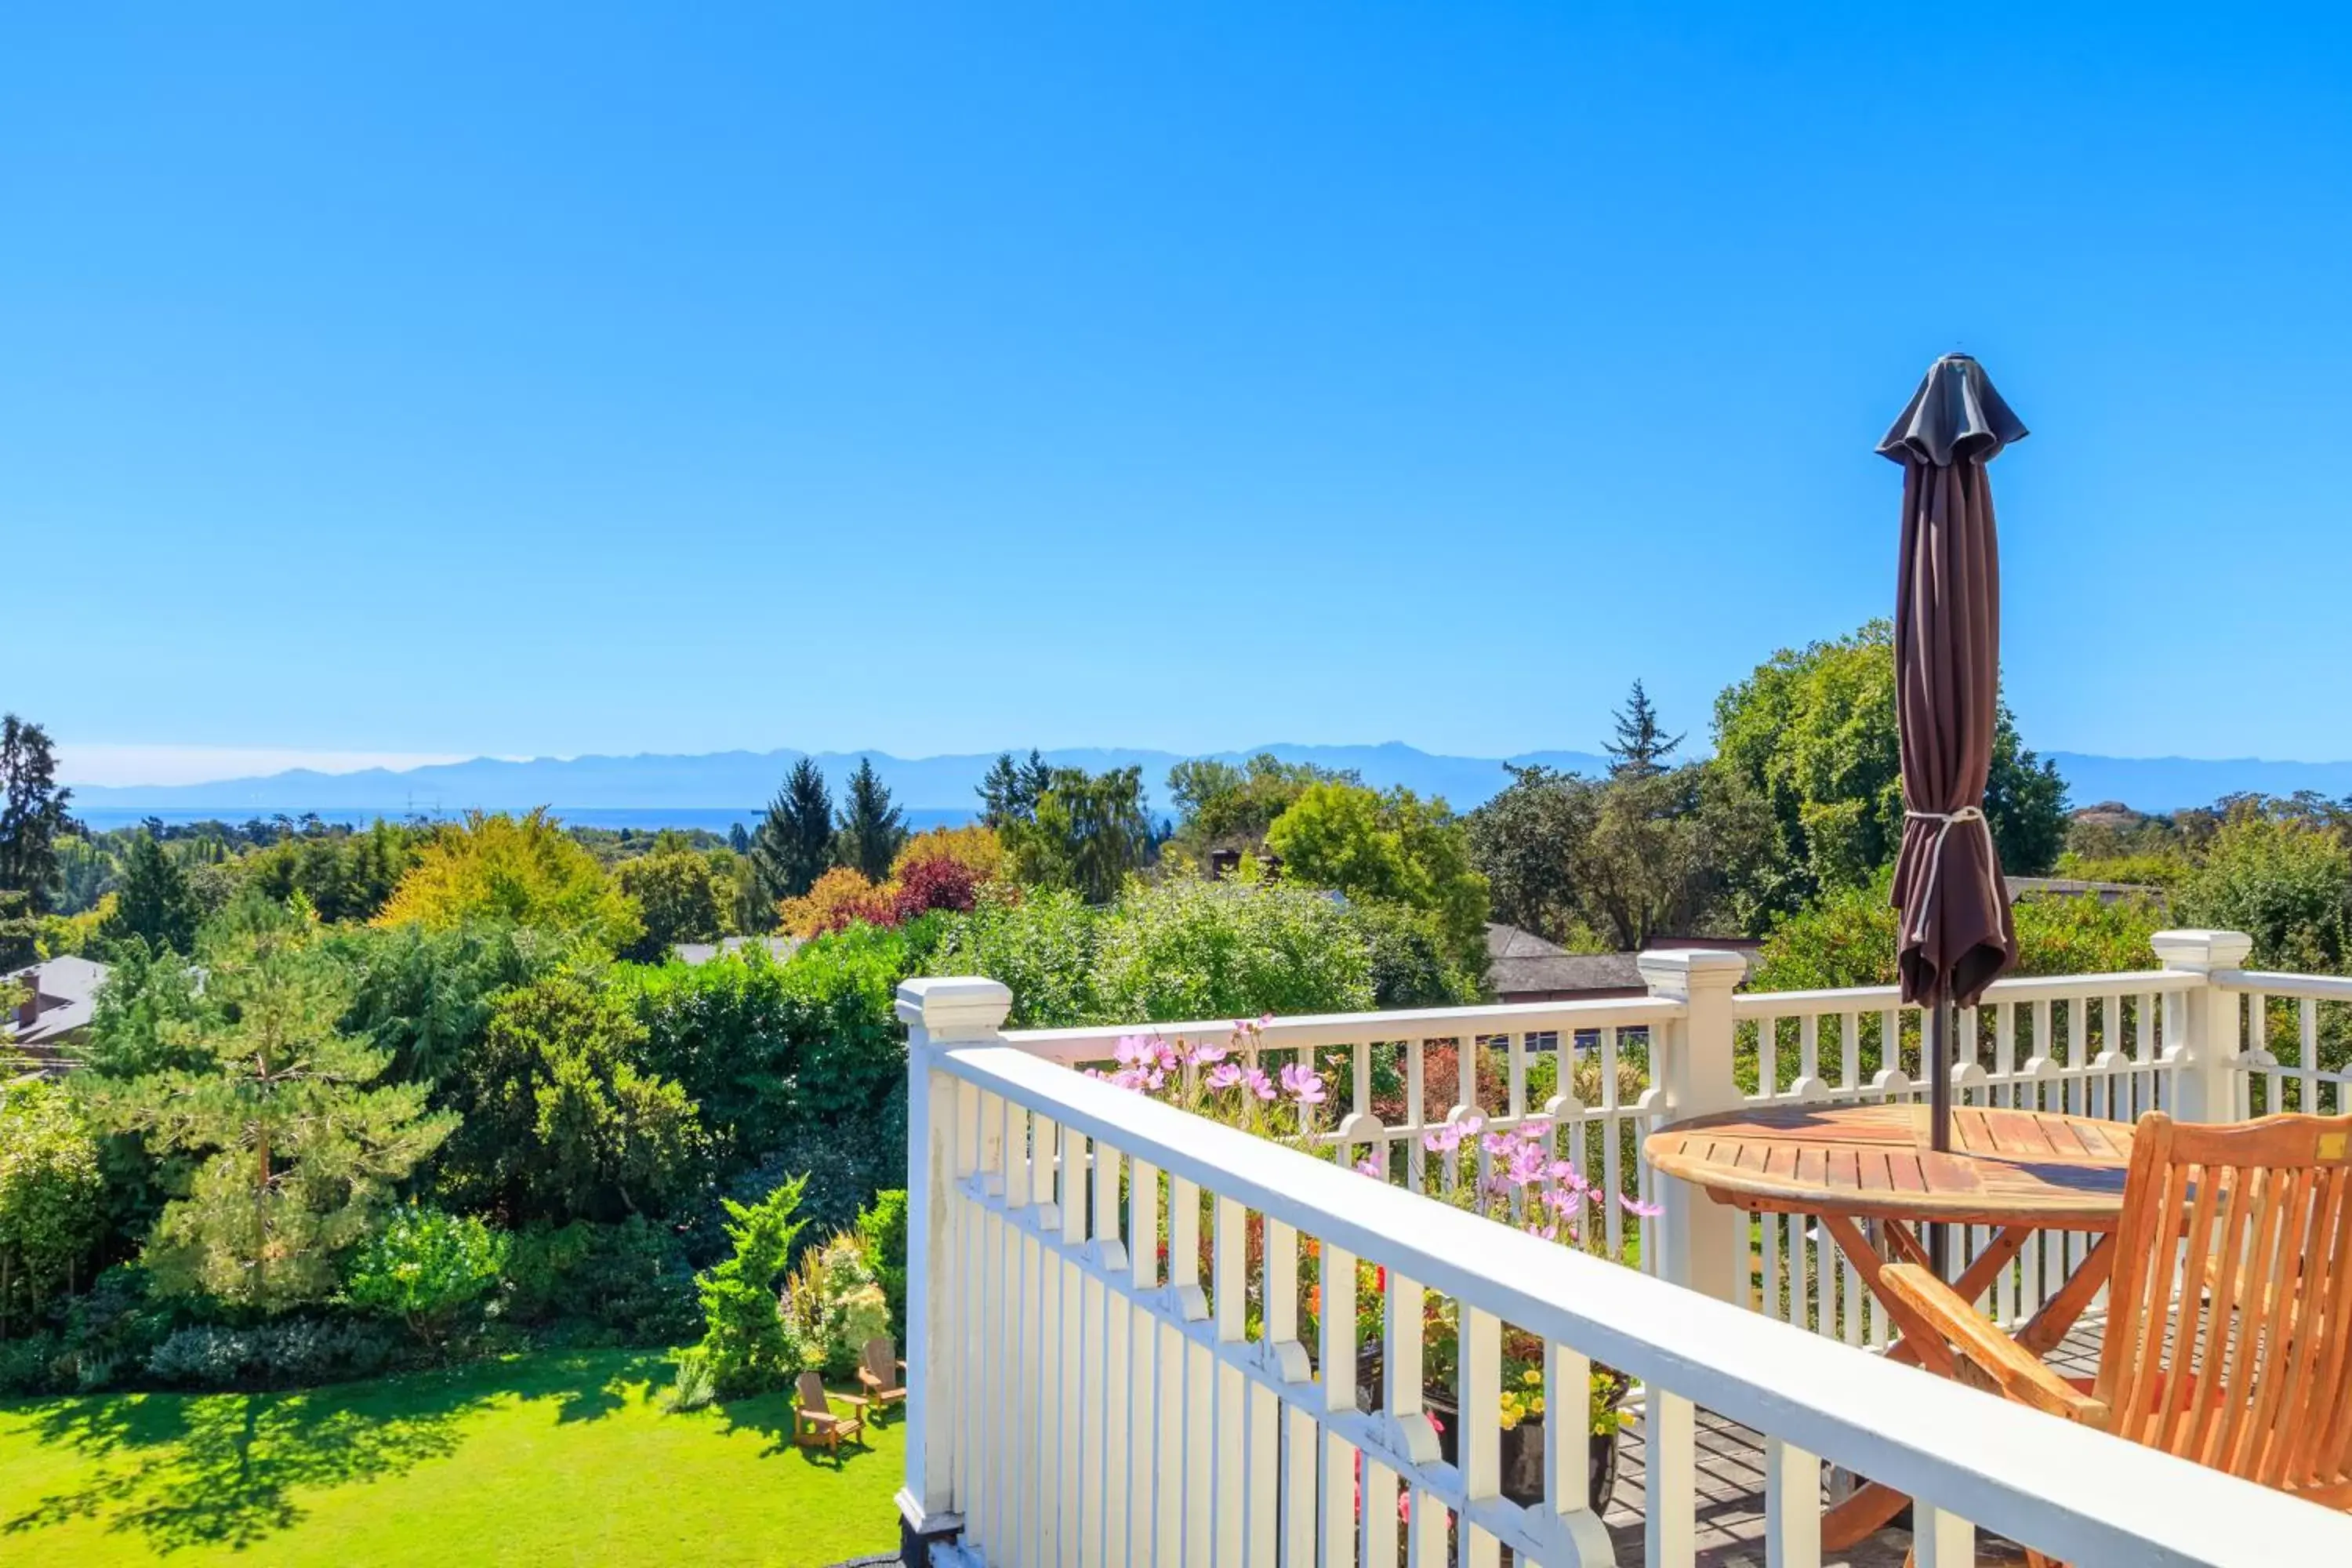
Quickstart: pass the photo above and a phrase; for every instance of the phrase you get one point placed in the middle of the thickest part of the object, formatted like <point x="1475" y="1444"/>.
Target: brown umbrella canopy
<point x="1957" y="935"/>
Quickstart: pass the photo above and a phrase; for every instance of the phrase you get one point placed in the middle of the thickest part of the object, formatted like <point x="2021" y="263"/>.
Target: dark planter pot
<point x="1522" y="1446"/>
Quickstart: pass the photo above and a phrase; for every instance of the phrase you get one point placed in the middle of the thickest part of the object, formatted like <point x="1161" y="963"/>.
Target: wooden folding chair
<point x="882" y="1374"/>
<point x="813" y="1421"/>
<point x="2229" y="1334"/>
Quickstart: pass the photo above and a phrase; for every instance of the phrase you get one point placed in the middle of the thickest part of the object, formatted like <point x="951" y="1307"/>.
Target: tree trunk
<point x="261" y="1216"/>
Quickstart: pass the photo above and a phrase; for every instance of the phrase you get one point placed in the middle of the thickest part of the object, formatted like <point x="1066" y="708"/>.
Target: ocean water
<point x="715" y="819"/>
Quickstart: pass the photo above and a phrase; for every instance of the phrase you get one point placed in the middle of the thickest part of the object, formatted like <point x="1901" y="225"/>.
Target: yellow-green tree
<point x="525" y="870"/>
<point x="1390" y="845"/>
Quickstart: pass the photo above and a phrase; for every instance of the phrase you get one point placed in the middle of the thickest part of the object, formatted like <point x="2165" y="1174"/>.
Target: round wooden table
<point x="2015" y="1172"/>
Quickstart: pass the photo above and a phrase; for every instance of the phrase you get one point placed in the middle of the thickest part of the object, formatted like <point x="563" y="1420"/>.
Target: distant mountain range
<point x="711" y="789"/>
<point x="708" y="790"/>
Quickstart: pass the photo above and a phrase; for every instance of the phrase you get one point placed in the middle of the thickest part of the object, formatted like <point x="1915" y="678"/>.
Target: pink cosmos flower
<point x="1225" y="1076"/>
<point x="1255" y="1080"/>
<point x="1303" y="1084"/>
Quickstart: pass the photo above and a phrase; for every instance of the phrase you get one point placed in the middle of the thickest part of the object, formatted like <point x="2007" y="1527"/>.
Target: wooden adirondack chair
<point x="2254" y="1375"/>
<point x="882" y="1374"/>
<point x="813" y="1421"/>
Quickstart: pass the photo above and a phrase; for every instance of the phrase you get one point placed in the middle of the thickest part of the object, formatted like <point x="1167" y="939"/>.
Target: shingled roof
<point x="1523" y="967"/>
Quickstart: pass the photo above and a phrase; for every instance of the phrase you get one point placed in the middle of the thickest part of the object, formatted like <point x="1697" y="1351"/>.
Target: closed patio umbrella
<point x="1955" y="932"/>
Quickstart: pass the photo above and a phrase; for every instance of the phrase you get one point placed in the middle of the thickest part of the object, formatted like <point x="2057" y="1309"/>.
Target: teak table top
<point x="2005" y="1167"/>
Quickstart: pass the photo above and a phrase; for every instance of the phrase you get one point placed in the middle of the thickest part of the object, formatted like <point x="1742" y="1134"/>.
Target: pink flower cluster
<point x="1544" y="1195"/>
<point x="1148" y="1065"/>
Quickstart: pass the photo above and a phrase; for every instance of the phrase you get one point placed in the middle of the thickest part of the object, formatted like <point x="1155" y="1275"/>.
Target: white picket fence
<point x="1084" y="1390"/>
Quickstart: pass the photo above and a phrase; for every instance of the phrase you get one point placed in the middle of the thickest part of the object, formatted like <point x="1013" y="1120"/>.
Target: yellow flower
<point x="1532" y="1377"/>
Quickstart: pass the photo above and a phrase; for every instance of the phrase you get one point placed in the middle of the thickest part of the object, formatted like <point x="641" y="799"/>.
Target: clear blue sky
<point x="547" y="379"/>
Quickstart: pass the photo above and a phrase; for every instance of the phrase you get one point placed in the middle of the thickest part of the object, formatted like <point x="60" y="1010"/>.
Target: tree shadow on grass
<point x="593" y="1388"/>
<point x="222" y="1469"/>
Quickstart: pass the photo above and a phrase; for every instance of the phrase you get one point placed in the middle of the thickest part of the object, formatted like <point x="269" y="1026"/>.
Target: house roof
<point x="1522" y="965"/>
<point x="2075" y="888"/>
<point x="65" y="995"/>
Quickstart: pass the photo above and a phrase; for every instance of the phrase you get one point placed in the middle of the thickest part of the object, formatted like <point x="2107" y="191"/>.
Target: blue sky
<point x="441" y="380"/>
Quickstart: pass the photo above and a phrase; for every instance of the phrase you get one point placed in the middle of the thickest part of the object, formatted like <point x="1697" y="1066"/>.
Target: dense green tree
<point x="562" y="1120"/>
<point x="32" y="812"/>
<point x="1222" y="807"/>
<point x="1812" y="733"/>
<point x="869" y="830"/>
<point x="296" y="1145"/>
<point x="154" y="905"/>
<point x="20" y="929"/>
<point x="1009" y="793"/>
<point x="1089" y="832"/>
<point x="1609" y="864"/>
<point x="1849" y="937"/>
<point x="678" y="895"/>
<point x="345" y="875"/>
<point x="1641" y="746"/>
<point x="792" y="848"/>
<point x="52" y="1198"/>
<point x="427" y="995"/>
<point x="2280" y="871"/>
<point x="1389" y="845"/>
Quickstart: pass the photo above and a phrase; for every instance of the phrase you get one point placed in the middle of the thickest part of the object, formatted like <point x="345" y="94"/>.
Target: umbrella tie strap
<point x="1945" y="821"/>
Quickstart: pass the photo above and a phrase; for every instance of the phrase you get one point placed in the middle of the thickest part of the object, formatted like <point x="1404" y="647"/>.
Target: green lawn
<point x="562" y="1458"/>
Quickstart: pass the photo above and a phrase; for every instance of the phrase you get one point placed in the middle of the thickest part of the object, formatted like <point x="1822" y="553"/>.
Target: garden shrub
<point x="612" y="1284"/>
<point x="882" y="1231"/>
<point x="423" y="1268"/>
<point x="113" y="1327"/>
<point x="694" y="1386"/>
<point x="287" y="1352"/>
<point x="52" y="1198"/>
<point x="1190" y="950"/>
<point x="35" y="1365"/>
<point x="749" y="1344"/>
<point x="1043" y="948"/>
<point x="833" y="1305"/>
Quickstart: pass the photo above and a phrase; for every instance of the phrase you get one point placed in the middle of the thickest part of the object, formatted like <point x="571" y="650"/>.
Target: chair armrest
<point x="855" y="1399"/>
<point x="2012" y="1369"/>
<point x="869" y="1379"/>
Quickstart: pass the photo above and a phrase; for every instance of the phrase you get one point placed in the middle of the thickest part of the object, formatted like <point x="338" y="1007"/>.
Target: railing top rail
<point x="2016" y="988"/>
<point x="1313" y="1030"/>
<point x="2326" y="987"/>
<point x="1991" y="1461"/>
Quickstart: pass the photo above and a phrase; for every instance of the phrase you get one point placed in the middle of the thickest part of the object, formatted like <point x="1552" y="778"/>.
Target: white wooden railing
<point x="1090" y="1383"/>
<point x="2290" y="1027"/>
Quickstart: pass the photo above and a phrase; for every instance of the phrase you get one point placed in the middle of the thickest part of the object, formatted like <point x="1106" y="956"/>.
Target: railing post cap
<point x="2200" y="951"/>
<point x="1679" y="971"/>
<point x="954" y="1006"/>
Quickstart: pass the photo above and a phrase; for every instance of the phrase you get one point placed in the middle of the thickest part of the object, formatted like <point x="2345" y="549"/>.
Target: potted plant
<point x="1521" y="1415"/>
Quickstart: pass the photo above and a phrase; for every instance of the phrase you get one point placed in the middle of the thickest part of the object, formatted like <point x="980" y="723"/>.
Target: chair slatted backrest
<point x="814" y="1401"/>
<point x="2237" y="1241"/>
<point x="882" y="1361"/>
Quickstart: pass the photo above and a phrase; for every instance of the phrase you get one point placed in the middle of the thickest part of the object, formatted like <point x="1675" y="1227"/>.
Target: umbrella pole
<point x="1936" y="1026"/>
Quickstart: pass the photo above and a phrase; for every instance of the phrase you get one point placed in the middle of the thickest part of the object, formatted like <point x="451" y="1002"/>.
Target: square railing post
<point x="939" y="1015"/>
<point x="2209" y="1034"/>
<point x="1700" y="1241"/>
